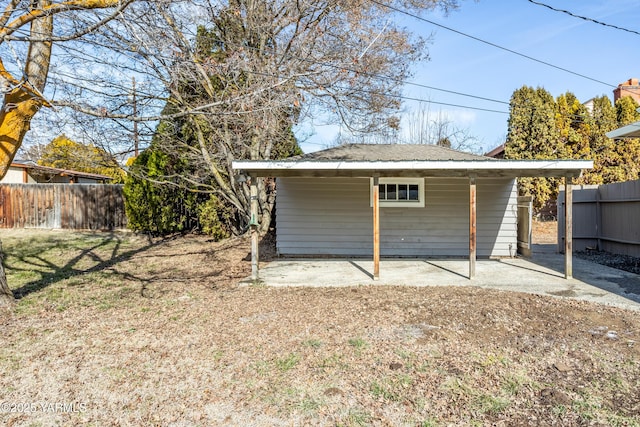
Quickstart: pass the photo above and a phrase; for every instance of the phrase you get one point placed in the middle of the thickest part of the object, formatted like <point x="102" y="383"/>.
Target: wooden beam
<point x="376" y="228"/>
<point x="472" y="226"/>
<point x="568" y="228"/>
<point x="255" y="235"/>
<point x="599" y="219"/>
<point x="409" y="173"/>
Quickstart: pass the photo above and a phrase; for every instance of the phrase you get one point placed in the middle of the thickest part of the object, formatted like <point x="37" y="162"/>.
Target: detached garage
<point x="399" y="200"/>
<point x="419" y="217"/>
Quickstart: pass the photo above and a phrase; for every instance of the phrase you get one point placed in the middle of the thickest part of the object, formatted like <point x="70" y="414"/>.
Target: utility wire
<point x="408" y="83"/>
<point x="410" y="98"/>
<point x="404" y="82"/>
<point x="364" y="73"/>
<point x="372" y="92"/>
<point x="404" y="12"/>
<point x="388" y="78"/>
<point x="585" y="18"/>
<point x="381" y="77"/>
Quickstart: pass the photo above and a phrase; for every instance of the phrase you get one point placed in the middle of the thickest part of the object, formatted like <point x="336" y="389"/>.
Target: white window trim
<point x="399" y="204"/>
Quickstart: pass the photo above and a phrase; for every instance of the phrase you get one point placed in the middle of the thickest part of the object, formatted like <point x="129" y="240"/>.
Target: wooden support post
<point x="598" y="220"/>
<point x="376" y="228"/>
<point x="255" y="237"/>
<point x="472" y="227"/>
<point x="568" y="228"/>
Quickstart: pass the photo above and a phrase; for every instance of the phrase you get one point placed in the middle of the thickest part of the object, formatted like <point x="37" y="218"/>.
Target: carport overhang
<point x="416" y="168"/>
<point x="470" y="169"/>
<point x="629" y="131"/>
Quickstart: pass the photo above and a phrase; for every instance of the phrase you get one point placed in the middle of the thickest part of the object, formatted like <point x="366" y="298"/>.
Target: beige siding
<point x="332" y="216"/>
<point x="13" y="176"/>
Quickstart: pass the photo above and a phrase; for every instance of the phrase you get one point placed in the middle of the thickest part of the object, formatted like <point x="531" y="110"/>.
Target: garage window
<point x="400" y="192"/>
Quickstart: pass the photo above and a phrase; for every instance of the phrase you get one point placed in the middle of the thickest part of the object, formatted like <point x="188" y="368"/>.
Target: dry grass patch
<point x="156" y="332"/>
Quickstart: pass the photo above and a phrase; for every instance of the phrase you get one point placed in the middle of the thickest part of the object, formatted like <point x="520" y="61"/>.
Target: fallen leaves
<point x="197" y="349"/>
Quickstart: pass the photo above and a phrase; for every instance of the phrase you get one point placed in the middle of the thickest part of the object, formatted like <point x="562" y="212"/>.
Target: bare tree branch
<point x="77" y="35"/>
<point x="52" y="9"/>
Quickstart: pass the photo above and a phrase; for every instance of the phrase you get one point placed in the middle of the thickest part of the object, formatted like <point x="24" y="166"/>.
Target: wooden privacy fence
<point x="62" y="206"/>
<point x="605" y="217"/>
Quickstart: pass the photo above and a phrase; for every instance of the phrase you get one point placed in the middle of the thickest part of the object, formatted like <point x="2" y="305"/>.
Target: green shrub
<point x="153" y="207"/>
<point x="213" y="217"/>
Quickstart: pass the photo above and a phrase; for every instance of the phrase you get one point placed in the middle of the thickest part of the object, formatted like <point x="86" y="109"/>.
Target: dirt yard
<point x="117" y="329"/>
<point x="545" y="232"/>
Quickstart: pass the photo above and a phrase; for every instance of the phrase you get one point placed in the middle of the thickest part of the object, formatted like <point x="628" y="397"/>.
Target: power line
<point x="381" y="77"/>
<point x="404" y="82"/>
<point x="497" y="46"/>
<point x="373" y="92"/>
<point x="393" y="79"/>
<point x="410" y="98"/>
<point x="408" y="83"/>
<point x="400" y="81"/>
<point x="396" y="80"/>
<point x="585" y="18"/>
<point x="365" y="73"/>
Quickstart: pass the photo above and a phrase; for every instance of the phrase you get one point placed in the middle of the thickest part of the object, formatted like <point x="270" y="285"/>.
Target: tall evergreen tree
<point x="572" y="121"/>
<point x="533" y="134"/>
<point x="624" y="155"/>
<point x="573" y="133"/>
<point x="601" y="120"/>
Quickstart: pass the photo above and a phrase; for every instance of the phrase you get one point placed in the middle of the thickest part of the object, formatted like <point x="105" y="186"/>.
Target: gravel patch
<point x="621" y="262"/>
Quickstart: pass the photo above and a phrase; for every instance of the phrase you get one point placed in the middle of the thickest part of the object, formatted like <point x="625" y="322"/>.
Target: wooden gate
<point x="525" y="210"/>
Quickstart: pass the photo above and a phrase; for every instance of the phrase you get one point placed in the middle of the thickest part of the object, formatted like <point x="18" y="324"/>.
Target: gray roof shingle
<point x="387" y="152"/>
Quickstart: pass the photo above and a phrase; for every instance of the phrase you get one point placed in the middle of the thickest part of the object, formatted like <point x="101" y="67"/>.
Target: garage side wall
<point x="333" y="216"/>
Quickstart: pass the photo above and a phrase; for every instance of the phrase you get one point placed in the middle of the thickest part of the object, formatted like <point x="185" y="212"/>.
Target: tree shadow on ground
<point x="51" y="272"/>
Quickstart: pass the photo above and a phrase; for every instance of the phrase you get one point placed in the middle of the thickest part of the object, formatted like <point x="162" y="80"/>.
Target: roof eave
<point x="453" y="168"/>
<point x="629" y="131"/>
<point x="61" y="172"/>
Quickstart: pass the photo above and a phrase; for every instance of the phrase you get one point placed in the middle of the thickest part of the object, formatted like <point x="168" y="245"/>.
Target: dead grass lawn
<point x="156" y="332"/>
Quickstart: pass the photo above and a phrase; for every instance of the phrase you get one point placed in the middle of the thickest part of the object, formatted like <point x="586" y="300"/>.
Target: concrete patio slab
<point x="541" y="274"/>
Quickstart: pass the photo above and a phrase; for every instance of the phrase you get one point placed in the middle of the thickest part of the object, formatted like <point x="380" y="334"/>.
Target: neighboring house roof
<point x="46" y="170"/>
<point x="366" y="160"/>
<point x="496" y="153"/>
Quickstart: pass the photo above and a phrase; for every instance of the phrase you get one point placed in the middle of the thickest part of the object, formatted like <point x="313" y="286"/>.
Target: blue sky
<point x="464" y="65"/>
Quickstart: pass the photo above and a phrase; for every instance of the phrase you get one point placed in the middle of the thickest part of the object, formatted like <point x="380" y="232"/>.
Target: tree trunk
<point x="15" y="117"/>
<point x="18" y="108"/>
<point x="6" y="296"/>
<point x="267" y="200"/>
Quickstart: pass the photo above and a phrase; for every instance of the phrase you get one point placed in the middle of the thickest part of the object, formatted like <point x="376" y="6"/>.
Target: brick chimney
<point x="629" y="88"/>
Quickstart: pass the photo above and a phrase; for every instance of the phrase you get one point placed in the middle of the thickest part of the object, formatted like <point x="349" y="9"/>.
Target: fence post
<point x="568" y="228"/>
<point x="255" y="236"/>
<point x="598" y="220"/>
<point x="472" y="226"/>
